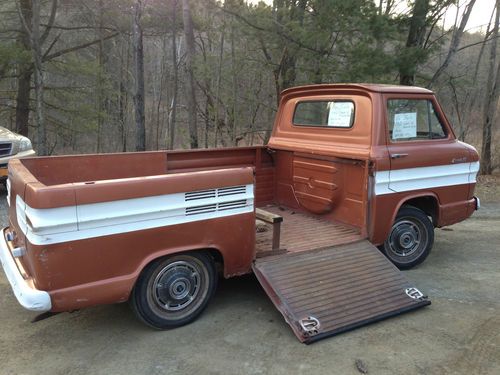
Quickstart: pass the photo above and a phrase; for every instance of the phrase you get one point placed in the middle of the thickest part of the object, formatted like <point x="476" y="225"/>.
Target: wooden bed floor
<point x="301" y="231"/>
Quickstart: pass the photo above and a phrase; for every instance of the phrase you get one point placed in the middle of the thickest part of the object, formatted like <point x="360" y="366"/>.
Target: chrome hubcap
<point x="407" y="238"/>
<point x="176" y="286"/>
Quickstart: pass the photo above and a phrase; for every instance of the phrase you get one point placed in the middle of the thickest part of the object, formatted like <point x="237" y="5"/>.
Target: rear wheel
<point x="173" y="291"/>
<point x="410" y="239"/>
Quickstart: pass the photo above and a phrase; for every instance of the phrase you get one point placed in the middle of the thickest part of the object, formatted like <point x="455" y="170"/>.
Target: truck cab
<point x="404" y="142"/>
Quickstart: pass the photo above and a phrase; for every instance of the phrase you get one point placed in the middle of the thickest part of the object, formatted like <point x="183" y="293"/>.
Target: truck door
<point x="423" y="150"/>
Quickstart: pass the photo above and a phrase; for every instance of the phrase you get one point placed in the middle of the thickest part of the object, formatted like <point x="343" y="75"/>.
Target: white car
<point x="12" y="145"/>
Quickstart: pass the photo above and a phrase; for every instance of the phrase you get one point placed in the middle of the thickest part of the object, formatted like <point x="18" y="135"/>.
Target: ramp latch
<point x="414" y="293"/>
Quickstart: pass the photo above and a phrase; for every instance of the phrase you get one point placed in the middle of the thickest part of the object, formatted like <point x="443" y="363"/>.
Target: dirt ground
<point x="488" y="188"/>
<point x="242" y="333"/>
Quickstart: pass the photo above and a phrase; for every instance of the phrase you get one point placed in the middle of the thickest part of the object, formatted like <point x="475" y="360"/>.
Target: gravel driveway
<point x="242" y="333"/>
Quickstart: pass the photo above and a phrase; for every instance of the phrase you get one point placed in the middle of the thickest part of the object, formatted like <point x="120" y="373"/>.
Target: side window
<point x="328" y="114"/>
<point x="413" y="119"/>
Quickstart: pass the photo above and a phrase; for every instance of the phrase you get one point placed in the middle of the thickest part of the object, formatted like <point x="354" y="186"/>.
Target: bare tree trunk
<point x="207" y="119"/>
<point x="100" y="63"/>
<point x="159" y="103"/>
<point x="492" y="95"/>
<point x="455" y="41"/>
<point x="218" y="80"/>
<point x="175" y="65"/>
<point x="23" y="99"/>
<point x="140" y="141"/>
<point x="416" y="36"/>
<point x="234" y="108"/>
<point x="191" y="93"/>
<point x="122" y="108"/>
<point x="37" y="57"/>
<point x="25" y="10"/>
<point x="456" y="107"/>
<point x="474" y="96"/>
<point x="25" y="71"/>
<point x="123" y="99"/>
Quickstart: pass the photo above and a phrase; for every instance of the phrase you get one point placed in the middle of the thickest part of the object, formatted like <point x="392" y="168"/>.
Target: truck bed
<point x="301" y="232"/>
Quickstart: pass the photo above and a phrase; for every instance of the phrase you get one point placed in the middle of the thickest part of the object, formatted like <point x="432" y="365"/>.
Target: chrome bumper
<point x="478" y="203"/>
<point x="29" y="297"/>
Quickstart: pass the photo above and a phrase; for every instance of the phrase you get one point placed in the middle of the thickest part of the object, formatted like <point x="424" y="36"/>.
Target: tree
<point x="25" y="70"/>
<point x="175" y="69"/>
<point x="39" y="83"/>
<point x="108" y="67"/>
<point x="29" y="15"/>
<point x="492" y="96"/>
<point x="455" y="41"/>
<point x="191" y="86"/>
<point x="140" y="140"/>
<point x="414" y="53"/>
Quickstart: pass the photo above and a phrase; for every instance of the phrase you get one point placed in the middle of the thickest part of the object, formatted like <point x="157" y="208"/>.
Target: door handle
<point x="398" y="156"/>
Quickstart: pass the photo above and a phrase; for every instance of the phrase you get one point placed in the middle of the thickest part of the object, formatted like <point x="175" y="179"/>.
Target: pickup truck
<point x="12" y="146"/>
<point x="354" y="177"/>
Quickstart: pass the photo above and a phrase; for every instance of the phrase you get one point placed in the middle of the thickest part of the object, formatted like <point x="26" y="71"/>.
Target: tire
<point x="173" y="291"/>
<point x="410" y="239"/>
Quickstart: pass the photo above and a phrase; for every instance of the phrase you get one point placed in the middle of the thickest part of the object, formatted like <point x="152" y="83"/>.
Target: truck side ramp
<point x="332" y="290"/>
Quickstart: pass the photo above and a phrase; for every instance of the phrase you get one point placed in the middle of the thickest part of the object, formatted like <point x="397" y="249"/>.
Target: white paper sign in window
<point x="340" y="114"/>
<point x="405" y="125"/>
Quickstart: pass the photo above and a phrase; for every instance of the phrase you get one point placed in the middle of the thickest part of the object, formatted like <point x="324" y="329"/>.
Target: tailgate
<point x="328" y="291"/>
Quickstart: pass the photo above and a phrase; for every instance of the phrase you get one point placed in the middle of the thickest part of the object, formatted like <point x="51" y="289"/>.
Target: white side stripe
<point x="399" y="180"/>
<point x="55" y="225"/>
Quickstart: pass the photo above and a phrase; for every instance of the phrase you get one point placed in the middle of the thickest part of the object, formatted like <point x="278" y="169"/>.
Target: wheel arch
<point x="428" y="203"/>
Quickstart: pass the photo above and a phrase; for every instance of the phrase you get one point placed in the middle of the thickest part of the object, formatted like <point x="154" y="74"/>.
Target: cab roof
<point x="372" y="87"/>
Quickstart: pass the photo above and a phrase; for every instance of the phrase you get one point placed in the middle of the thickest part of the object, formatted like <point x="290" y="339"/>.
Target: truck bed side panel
<point x="124" y="224"/>
<point x="103" y="270"/>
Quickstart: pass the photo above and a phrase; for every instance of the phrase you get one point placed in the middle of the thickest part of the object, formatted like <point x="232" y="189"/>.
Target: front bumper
<point x="19" y="155"/>
<point x="29" y="297"/>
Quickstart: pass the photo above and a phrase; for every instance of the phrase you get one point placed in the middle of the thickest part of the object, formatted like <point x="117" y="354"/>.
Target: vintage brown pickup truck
<point x="348" y="168"/>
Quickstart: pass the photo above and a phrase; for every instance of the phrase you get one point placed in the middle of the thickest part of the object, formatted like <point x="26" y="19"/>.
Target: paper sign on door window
<point x="340" y="114"/>
<point x="405" y="125"/>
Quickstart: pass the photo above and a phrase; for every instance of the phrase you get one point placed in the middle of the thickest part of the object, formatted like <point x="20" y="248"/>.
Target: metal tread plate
<point x="331" y="290"/>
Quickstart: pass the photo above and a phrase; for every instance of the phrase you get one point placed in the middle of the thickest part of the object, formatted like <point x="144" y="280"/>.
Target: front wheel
<point x="410" y="239"/>
<point x="173" y="291"/>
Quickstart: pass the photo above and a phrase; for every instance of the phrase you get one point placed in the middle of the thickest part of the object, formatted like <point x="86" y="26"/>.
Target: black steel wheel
<point x="173" y="291"/>
<point x="410" y="239"/>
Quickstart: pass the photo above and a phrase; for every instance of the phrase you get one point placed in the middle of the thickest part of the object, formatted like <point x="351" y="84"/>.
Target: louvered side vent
<point x="232" y="190"/>
<point x="201" y="194"/>
<point x="216" y="200"/>
<point x="232" y="205"/>
<point x="197" y="210"/>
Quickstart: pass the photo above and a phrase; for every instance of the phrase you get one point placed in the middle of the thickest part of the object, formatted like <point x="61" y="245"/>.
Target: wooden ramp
<point x="331" y="290"/>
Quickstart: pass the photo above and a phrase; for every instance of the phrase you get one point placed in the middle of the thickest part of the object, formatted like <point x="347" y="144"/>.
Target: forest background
<point x="86" y="76"/>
